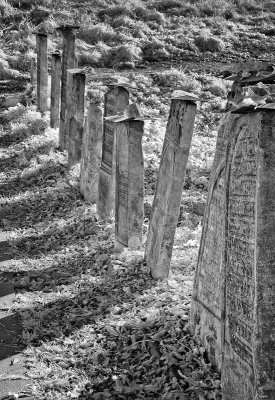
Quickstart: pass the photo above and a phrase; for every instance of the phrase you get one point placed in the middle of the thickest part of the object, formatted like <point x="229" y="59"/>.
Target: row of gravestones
<point x="233" y="306"/>
<point x="108" y="146"/>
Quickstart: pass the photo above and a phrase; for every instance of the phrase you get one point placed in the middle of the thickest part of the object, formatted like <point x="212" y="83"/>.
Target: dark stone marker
<point x="55" y="90"/>
<point x="68" y="62"/>
<point x="76" y="116"/>
<point x="91" y="153"/>
<point x="33" y="73"/>
<point x="166" y="203"/>
<point x="233" y="304"/>
<point x="116" y="101"/>
<point x="42" y="71"/>
<point x="129" y="193"/>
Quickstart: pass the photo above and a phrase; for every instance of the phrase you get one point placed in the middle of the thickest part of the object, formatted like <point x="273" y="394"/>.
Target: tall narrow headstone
<point x="116" y="101"/>
<point x="233" y="303"/>
<point x="68" y="62"/>
<point x="42" y="70"/>
<point x="129" y="185"/>
<point x="76" y="115"/>
<point x="171" y="176"/>
<point x="91" y="153"/>
<point x="209" y="282"/>
<point x="33" y="73"/>
<point x="55" y="90"/>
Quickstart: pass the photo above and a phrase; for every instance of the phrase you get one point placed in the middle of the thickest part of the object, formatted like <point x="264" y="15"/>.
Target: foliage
<point x="154" y="50"/>
<point x="208" y="43"/>
<point x="164" y="30"/>
<point x="178" y="79"/>
<point x="96" y="33"/>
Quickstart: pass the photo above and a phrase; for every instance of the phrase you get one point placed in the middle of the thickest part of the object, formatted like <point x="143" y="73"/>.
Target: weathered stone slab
<point x="233" y="305"/>
<point x="91" y="153"/>
<point x="166" y="204"/>
<point x="76" y="116"/>
<point x="116" y="101"/>
<point x="42" y="71"/>
<point x="55" y="90"/>
<point x="33" y="73"/>
<point x="129" y="183"/>
<point x="68" y="62"/>
<point x="209" y="282"/>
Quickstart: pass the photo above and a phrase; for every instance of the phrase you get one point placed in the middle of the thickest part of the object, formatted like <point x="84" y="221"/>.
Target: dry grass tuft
<point x="177" y="79"/>
<point x="96" y="33"/>
<point x="209" y="43"/>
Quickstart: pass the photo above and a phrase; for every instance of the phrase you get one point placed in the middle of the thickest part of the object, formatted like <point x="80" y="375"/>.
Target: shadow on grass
<point x="94" y="301"/>
<point x="10" y="335"/>
<point x="11" y="138"/>
<point x="56" y="238"/>
<point x="8" y="163"/>
<point x="34" y="209"/>
<point x="65" y="271"/>
<point x="32" y="180"/>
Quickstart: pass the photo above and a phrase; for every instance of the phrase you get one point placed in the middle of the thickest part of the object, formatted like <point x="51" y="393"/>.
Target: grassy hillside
<point x="117" y="33"/>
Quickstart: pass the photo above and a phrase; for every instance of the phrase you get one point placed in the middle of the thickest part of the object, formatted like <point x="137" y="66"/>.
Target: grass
<point x="95" y="325"/>
<point x="164" y="30"/>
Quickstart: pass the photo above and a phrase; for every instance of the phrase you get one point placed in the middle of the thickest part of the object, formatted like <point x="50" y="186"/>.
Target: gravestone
<point x="76" y="115"/>
<point x="166" y="203"/>
<point x="115" y="102"/>
<point x="91" y="153"/>
<point x="33" y="73"/>
<point x="129" y="192"/>
<point x="68" y="62"/>
<point x="233" y="302"/>
<point x="42" y="70"/>
<point x="209" y="286"/>
<point x="55" y="90"/>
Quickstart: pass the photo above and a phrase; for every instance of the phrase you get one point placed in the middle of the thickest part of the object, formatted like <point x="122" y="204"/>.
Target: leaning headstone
<point x="115" y="102"/>
<point x="91" y="153"/>
<point x="129" y="191"/>
<point x="233" y="302"/>
<point x="55" y="90"/>
<point x="76" y="115"/>
<point x="42" y="70"/>
<point x="171" y="176"/>
<point x="68" y="62"/>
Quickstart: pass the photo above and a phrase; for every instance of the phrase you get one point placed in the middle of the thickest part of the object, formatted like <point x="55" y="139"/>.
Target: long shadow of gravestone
<point x="12" y="371"/>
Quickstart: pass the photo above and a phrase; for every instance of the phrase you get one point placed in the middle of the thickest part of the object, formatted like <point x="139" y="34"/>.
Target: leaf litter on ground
<point x="95" y="325"/>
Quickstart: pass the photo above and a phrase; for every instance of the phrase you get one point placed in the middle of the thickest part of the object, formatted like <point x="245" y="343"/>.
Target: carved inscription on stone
<point x="42" y="71"/>
<point x="208" y="296"/>
<point x="116" y="101"/>
<point x="108" y="146"/>
<point x="122" y="170"/>
<point x="239" y="338"/>
<point x="211" y="255"/>
<point x="55" y="90"/>
<point x="68" y="61"/>
<point x="240" y="285"/>
<point x="76" y="121"/>
<point x="165" y="209"/>
<point x="91" y="153"/>
<point x="129" y="183"/>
